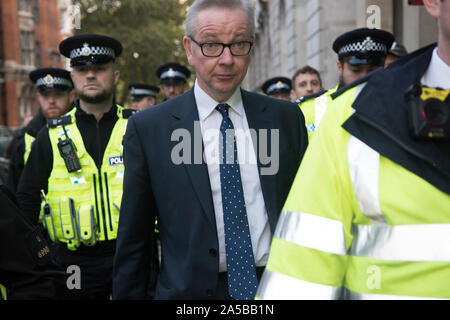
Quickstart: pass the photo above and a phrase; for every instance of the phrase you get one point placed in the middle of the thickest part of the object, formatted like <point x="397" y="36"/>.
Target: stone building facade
<point x="293" y="33"/>
<point x="30" y="32"/>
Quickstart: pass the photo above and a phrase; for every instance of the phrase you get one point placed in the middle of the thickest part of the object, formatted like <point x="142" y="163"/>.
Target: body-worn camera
<point x="429" y="112"/>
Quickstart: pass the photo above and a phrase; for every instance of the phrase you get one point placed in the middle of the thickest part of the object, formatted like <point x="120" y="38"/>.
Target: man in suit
<point x="217" y="201"/>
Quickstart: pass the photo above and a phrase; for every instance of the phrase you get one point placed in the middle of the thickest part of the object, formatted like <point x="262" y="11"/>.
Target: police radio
<point x="67" y="151"/>
<point x="429" y="112"/>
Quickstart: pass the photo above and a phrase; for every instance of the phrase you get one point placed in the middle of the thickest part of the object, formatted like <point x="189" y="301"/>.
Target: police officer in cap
<point x="360" y="52"/>
<point x="55" y="96"/>
<point x="173" y="77"/>
<point x="75" y="170"/>
<point x="142" y="95"/>
<point x="278" y="87"/>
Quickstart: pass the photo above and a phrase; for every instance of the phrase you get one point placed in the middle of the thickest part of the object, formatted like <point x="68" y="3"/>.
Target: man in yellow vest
<point x="368" y="214"/>
<point x="54" y="95"/>
<point x="359" y="51"/>
<point x="76" y="169"/>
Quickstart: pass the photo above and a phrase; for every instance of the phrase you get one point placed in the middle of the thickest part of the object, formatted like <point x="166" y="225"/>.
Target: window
<point x="37" y="54"/>
<point x="26" y="47"/>
<point x="24" y="5"/>
<point x="36" y="11"/>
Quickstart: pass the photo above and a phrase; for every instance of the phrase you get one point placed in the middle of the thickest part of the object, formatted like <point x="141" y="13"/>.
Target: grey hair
<point x="199" y="5"/>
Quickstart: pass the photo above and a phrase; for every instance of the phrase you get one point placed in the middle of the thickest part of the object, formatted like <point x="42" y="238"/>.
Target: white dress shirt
<point x="438" y="73"/>
<point x="210" y="121"/>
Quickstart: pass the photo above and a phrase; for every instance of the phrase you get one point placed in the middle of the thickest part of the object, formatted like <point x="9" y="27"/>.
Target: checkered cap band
<point x="95" y="51"/>
<point x="362" y="47"/>
<point x="55" y="81"/>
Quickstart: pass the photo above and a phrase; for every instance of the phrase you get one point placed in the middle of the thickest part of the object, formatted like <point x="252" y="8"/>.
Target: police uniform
<point x="277" y="85"/>
<point x="368" y="214"/>
<point x="26" y="270"/>
<point x="82" y="191"/>
<point x="362" y="46"/>
<point x="172" y="73"/>
<point x="45" y="80"/>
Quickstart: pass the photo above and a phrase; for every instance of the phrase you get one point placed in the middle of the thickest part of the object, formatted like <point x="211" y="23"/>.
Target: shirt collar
<point x="438" y="73"/>
<point x="206" y="105"/>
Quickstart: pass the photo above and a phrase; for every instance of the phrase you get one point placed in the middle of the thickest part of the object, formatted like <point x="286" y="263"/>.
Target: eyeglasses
<point x="215" y="49"/>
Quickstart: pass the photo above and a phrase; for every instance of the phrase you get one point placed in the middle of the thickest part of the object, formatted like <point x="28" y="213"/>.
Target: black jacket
<point x="16" y="163"/>
<point x="26" y="269"/>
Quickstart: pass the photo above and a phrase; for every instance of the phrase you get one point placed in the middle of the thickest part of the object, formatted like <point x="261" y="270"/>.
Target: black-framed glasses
<point x="215" y="49"/>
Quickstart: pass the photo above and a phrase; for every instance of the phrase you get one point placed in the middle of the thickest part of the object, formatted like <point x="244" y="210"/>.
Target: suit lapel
<point x="185" y="116"/>
<point x="259" y="118"/>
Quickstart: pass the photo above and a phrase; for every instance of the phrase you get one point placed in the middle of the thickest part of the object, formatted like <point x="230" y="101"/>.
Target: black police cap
<point x="51" y="79"/>
<point x="277" y="85"/>
<point x="140" y="90"/>
<point x="90" y="49"/>
<point x="173" y="71"/>
<point x="364" y="46"/>
<point x="398" y="50"/>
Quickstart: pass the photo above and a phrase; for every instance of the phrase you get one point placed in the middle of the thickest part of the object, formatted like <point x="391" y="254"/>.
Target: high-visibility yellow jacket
<point x="357" y="225"/>
<point x="85" y="204"/>
<point x="313" y="108"/>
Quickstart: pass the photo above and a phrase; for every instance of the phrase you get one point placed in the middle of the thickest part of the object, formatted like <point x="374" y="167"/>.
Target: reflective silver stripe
<point x="420" y="242"/>
<point x="278" y="286"/>
<point x="143" y="92"/>
<point x="172" y="74"/>
<point x="351" y="295"/>
<point x="311" y="231"/>
<point x="364" y="166"/>
<point x="320" y="106"/>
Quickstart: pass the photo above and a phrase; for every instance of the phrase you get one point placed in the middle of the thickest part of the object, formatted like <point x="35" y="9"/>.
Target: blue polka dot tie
<point x="242" y="281"/>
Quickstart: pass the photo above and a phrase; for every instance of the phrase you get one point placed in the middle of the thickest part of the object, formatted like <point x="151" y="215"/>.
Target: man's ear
<point x="339" y="66"/>
<point x="188" y="49"/>
<point x="433" y="8"/>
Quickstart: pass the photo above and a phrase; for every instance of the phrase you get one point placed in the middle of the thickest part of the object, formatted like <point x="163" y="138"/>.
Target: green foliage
<point x="151" y="32"/>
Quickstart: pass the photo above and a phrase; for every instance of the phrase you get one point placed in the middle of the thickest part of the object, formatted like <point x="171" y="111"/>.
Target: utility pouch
<point x="68" y="222"/>
<point x="86" y="224"/>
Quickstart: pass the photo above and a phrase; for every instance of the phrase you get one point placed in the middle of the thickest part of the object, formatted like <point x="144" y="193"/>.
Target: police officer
<point x="368" y="214"/>
<point x="278" y="87"/>
<point x="142" y="95"/>
<point x="54" y="95"/>
<point x="76" y="167"/>
<point x="173" y="77"/>
<point x="360" y="52"/>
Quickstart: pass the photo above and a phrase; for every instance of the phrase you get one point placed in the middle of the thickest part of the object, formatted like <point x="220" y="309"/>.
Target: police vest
<point x="29" y="139"/>
<point x="313" y="109"/>
<point x="84" y="205"/>
<point x="357" y="225"/>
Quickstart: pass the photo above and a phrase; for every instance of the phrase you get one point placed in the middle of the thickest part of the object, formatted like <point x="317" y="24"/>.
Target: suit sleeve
<point x="135" y="238"/>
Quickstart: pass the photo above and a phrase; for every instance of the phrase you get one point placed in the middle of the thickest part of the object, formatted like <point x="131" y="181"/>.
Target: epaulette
<point x="353" y="84"/>
<point x="309" y="97"/>
<point x="61" y="121"/>
<point x="126" y="113"/>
